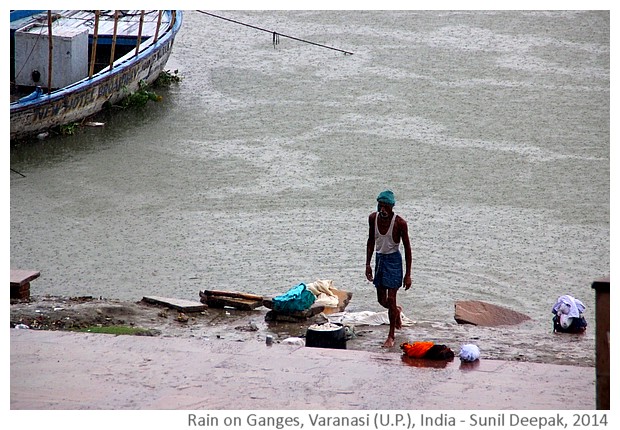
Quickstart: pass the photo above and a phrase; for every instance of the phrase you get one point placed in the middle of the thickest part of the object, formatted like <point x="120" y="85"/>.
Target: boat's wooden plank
<point x="178" y="304"/>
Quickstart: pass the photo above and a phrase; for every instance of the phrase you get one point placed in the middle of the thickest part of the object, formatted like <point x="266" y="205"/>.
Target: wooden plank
<point x="241" y="304"/>
<point x="178" y="304"/>
<point x="234" y="294"/>
<point x="234" y="300"/>
<point x="22" y="277"/>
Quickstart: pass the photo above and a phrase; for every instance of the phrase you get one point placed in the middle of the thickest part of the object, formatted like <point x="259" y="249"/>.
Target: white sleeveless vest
<point x="384" y="243"/>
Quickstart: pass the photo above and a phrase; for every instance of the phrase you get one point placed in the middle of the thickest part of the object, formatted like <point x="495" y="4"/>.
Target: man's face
<point x="384" y="210"/>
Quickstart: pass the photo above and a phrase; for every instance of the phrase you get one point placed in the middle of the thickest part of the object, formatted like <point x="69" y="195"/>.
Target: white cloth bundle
<point x="469" y="352"/>
<point x="325" y="300"/>
<point x="321" y="286"/>
<point x="366" y="318"/>
<point x="568" y="305"/>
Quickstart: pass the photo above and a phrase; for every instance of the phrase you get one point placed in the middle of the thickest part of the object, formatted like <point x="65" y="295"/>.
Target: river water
<point x="259" y="169"/>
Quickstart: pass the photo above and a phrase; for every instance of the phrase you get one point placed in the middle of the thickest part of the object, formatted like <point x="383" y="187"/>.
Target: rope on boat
<point x="275" y="35"/>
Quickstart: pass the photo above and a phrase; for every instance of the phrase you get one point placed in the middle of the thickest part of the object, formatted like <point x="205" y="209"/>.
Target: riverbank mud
<point x="91" y="313"/>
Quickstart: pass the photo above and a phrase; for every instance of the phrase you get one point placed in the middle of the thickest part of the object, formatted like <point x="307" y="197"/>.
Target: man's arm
<point x="370" y="245"/>
<point x="404" y="235"/>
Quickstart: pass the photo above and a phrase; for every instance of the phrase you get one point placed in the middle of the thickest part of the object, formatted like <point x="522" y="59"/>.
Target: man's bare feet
<point x="389" y="342"/>
<point x="398" y="324"/>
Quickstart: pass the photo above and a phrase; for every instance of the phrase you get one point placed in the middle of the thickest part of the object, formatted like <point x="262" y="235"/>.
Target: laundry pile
<point x="304" y="301"/>
<point x="323" y="290"/>
<point x="297" y="298"/>
<point x="568" y="315"/>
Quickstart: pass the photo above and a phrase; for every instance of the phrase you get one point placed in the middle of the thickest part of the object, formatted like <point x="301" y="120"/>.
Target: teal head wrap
<point x="386" y="197"/>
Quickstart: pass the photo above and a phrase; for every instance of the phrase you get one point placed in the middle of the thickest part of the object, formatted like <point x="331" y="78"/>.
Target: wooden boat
<point x="92" y="59"/>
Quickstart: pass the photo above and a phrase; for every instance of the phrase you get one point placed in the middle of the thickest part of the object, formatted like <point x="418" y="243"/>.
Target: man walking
<point x="386" y="231"/>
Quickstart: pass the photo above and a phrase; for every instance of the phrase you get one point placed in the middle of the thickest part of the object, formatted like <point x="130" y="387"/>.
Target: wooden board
<point x="221" y="299"/>
<point x="234" y="294"/>
<point x="178" y="304"/>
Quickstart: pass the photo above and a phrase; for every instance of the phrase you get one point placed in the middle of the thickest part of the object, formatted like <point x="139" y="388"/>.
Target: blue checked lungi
<point x="388" y="270"/>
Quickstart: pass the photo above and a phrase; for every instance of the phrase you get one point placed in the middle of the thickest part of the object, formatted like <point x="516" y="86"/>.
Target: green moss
<point x="117" y="330"/>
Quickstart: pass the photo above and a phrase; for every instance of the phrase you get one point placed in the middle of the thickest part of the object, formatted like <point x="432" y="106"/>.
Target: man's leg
<point x="394" y="315"/>
<point x="382" y="296"/>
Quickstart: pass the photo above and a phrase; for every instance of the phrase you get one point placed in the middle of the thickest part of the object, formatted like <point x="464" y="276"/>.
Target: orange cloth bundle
<point x="416" y="349"/>
<point x="427" y="350"/>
